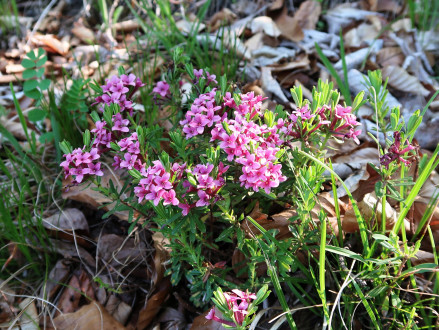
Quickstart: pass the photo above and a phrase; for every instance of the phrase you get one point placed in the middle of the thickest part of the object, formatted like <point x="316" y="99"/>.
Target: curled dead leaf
<point x="401" y="80"/>
<point x="154" y="304"/>
<point x="91" y="316"/>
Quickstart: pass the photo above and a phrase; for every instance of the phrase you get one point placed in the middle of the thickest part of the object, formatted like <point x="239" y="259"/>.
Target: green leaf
<point x="40" y="72"/>
<point x="32" y="55"/>
<point x="29" y="73"/>
<point x="28" y="64"/>
<point x="33" y="94"/>
<point x="46" y="137"/>
<point x="44" y="84"/>
<point x="41" y="61"/>
<point x="36" y="115"/>
<point x="41" y="52"/>
<point x="29" y="85"/>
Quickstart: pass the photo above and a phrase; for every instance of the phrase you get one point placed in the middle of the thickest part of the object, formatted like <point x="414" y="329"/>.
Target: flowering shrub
<point x="229" y="151"/>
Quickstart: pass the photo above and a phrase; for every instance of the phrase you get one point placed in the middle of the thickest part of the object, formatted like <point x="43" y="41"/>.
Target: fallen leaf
<point x="118" y="309"/>
<point x="289" y="26"/>
<point x="154" y="304"/>
<point x="120" y="251"/>
<point x="390" y="56"/>
<point x="69" y="251"/>
<point x="269" y="84"/>
<point x="69" y="300"/>
<point x="172" y="319"/>
<point x="7" y="298"/>
<point x="358" y="36"/>
<point x="84" y="34"/>
<point x="51" y="44"/>
<point x="401" y="80"/>
<point x="162" y="255"/>
<point x="57" y="276"/>
<point x="308" y="14"/>
<point x="126" y="26"/>
<point x="85" y="194"/>
<point x="223" y="17"/>
<point x="29" y="318"/>
<point x="265" y="24"/>
<point x="91" y="316"/>
<point x="67" y="219"/>
<point x="370" y="209"/>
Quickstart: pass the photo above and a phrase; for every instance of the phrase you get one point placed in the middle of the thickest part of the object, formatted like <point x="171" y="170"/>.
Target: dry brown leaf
<point x="67" y="219"/>
<point x="255" y="42"/>
<point x="162" y="254"/>
<point x="265" y="24"/>
<point x="91" y="316"/>
<point x="69" y="251"/>
<point x="390" y="56"/>
<point x="276" y="5"/>
<point x="85" y="194"/>
<point x="401" y="80"/>
<point x="223" y="17"/>
<point x="390" y="6"/>
<point x="119" y="309"/>
<point x="126" y="26"/>
<point x="359" y="156"/>
<point x="422" y="257"/>
<point x="69" y="300"/>
<point x="173" y="319"/>
<point x="280" y="222"/>
<point x="84" y="34"/>
<point x="154" y="304"/>
<point x="327" y="204"/>
<point x="299" y="63"/>
<point x="51" y="44"/>
<point x="356" y="37"/>
<point x="7" y="299"/>
<point x="57" y="276"/>
<point x="29" y="318"/>
<point x="269" y="84"/>
<point x="306" y="17"/>
<point x="367" y="206"/>
<point x="289" y="26"/>
<point x="308" y="14"/>
<point x="119" y="251"/>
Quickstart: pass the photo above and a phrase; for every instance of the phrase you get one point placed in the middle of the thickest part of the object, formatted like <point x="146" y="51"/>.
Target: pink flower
<point x="169" y="198"/>
<point x="161" y="88"/>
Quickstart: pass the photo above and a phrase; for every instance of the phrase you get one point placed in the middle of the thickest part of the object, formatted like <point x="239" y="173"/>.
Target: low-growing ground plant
<point x="224" y="155"/>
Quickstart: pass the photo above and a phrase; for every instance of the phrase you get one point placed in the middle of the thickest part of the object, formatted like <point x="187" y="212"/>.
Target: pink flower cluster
<point x="80" y="163"/>
<point x="211" y="78"/>
<point x="159" y="184"/>
<point x="132" y="159"/>
<point x="203" y="113"/>
<point x="342" y="122"/>
<point x="118" y="90"/>
<point x="396" y="151"/>
<point x="237" y="301"/>
<point x="206" y="187"/>
<point x="254" y="147"/>
<point x="250" y="104"/>
<point x="339" y="122"/>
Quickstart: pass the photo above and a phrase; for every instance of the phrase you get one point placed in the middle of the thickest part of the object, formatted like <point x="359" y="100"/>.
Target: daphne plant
<point x="225" y="149"/>
<point x="237" y="308"/>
